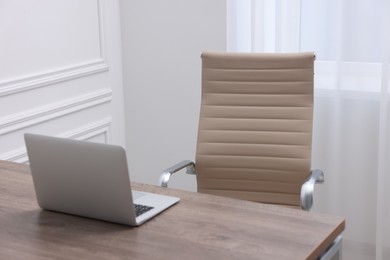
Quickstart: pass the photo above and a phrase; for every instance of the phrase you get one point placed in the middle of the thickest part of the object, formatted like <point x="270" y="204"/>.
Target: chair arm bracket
<point x="307" y="190"/>
<point x="166" y="174"/>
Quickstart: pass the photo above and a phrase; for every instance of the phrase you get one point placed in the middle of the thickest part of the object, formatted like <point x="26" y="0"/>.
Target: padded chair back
<point x="255" y="127"/>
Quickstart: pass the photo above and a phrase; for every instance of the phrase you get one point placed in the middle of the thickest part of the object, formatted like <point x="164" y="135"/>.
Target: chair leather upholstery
<point x="255" y="126"/>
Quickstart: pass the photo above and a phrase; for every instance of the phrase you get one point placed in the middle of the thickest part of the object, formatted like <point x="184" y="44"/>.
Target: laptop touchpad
<point x="138" y="194"/>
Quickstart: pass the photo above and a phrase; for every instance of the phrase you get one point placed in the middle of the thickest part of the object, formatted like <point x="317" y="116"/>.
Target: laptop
<point x="90" y="180"/>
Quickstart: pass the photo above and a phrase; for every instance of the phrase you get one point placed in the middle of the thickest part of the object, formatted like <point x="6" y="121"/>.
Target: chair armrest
<point x="166" y="174"/>
<point x="334" y="251"/>
<point x="307" y="190"/>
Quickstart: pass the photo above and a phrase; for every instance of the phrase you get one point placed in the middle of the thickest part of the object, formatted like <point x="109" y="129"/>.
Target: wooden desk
<point x="199" y="227"/>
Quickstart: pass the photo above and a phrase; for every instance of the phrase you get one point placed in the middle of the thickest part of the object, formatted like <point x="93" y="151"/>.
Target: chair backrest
<point x="255" y="127"/>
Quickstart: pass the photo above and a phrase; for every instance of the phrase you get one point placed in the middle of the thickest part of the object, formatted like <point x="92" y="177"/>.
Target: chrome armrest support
<point x="307" y="190"/>
<point x="166" y="174"/>
<point x="334" y="251"/>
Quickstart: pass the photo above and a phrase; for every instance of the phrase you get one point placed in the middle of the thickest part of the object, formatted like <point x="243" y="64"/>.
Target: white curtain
<point x="351" y="39"/>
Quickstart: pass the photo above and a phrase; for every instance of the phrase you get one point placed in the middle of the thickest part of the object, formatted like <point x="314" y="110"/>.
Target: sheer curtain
<point x="351" y="39"/>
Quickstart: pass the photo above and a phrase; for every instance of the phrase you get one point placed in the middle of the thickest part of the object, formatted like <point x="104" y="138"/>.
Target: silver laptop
<point x="89" y="179"/>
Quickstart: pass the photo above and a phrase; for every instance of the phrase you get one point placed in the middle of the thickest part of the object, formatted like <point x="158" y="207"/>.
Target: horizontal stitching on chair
<point x="257" y="69"/>
<point x="206" y="177"/>
<point x="265" y="144"/>
<point x="255" y="157"/>
<point x="250" y="191"/>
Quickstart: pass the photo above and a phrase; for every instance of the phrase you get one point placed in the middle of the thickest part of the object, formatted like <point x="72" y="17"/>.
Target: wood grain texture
<point x="200" y="226"/>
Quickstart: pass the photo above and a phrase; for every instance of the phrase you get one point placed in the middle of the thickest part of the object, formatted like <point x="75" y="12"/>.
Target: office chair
<point x="255" y="129"/>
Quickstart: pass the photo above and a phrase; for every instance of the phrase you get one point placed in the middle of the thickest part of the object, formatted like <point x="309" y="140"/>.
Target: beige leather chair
<point x="255" y="131"/>
<point x="255" y="128"/>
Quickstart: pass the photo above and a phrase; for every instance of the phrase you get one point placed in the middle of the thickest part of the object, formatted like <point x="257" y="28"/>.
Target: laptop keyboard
<point x="140" y="209"/>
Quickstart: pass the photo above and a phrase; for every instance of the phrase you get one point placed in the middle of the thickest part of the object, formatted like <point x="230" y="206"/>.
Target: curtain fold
<point x="351" y="39"/>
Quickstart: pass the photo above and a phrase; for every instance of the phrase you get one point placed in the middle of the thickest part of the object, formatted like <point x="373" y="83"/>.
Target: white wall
<point x="162" y="43"/>
<point x="60" y="72"/>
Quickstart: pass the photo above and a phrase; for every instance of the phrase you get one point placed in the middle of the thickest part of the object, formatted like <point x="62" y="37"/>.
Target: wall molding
<point x="91" y="130"/>
<point x="101" y="127"/>
<point x="38" y="115"/>
<point x="22" y="84"/>
<point x="102" y="35"/>
<point x="17" y="155"/>
<point x="49" y="77"/>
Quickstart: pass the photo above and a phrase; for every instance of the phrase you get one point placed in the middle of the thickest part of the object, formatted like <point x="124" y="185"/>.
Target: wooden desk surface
<point x="199" y="227"/>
